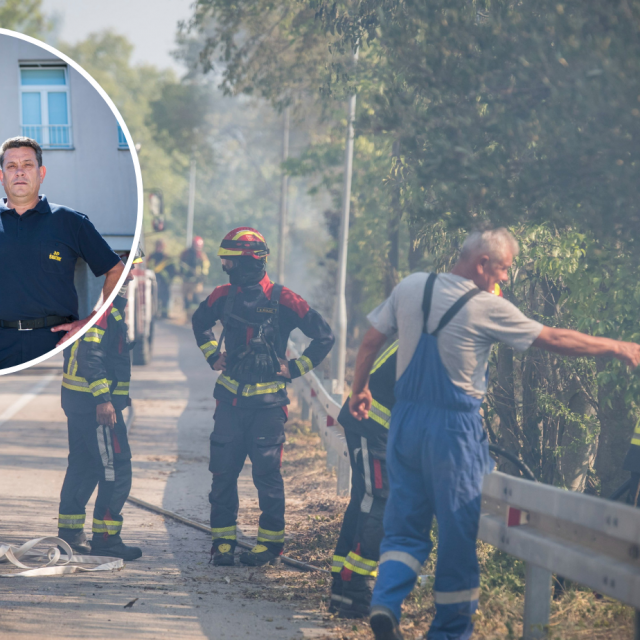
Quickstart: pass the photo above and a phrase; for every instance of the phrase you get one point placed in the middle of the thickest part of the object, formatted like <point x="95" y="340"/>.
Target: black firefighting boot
<point x="336" y="593"/>
<point x="76" y="539"/>
<point x="384" y="624"/>
<point x="356" y="596"/>
<point x="222" y="552"/>
<point x="112" y="546"/>
<point x="262" y="554"/>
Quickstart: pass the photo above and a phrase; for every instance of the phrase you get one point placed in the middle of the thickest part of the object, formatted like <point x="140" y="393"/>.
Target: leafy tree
<point x="24" y="16"/>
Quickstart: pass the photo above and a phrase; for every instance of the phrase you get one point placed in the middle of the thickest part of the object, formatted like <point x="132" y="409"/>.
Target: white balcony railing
<point x="52" y="136"/>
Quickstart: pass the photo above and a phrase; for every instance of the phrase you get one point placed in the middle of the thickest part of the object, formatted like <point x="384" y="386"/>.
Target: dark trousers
<point x="164" y="295"/>
<point x="258" y="433"/>
<point x="99" y="456"/>
<point x="18" y="347"/>
<point x="358" y="547"/>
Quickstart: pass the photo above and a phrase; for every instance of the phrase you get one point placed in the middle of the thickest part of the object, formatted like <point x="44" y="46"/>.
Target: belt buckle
<point x="20" y="327"/>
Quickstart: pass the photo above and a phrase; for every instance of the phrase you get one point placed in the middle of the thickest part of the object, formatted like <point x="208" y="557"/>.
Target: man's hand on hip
<point x="221" y="363"/>
<point x="106" y="415"/>
<point x="72" y="328"/>
<point x="360" y="403"/>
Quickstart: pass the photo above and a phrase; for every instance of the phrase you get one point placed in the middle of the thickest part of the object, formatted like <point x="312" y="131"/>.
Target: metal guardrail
<point x="589" y="540"/>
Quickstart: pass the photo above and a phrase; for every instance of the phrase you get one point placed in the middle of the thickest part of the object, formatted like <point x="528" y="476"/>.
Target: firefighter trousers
<point x="98" y="456"/>
<point x="358" y="547"/>
<point x="258" y="433"/>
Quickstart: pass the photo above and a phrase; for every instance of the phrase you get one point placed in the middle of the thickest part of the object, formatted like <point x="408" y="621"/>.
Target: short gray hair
<point x="16" y="143"/>
<point x="495" y="243"/>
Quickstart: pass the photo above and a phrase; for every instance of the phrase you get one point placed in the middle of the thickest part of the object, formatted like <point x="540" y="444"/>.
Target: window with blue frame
<point x="122" y="140"/>
<point x="44" y="94"/>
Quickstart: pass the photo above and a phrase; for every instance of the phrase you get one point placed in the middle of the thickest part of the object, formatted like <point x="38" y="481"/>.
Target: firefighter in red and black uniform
<point x="355" y="559"/>
<point x="95" y="391"/>
<point x="257" y="317"/>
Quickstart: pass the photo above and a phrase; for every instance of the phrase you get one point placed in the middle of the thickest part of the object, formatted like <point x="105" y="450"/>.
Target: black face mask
<point x="245" y="270"/>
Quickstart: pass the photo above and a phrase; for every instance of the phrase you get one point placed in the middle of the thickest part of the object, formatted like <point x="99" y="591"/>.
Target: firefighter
<point x="194" y="267"/>
<point x="632" y="464"/>
<point x="95" y="391"/>
<point x="257" y="317"/>
<point x="355" y="559"/>
<point x="165" y="271"/>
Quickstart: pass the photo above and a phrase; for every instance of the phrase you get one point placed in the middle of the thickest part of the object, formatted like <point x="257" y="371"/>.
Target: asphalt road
<point x="179" y="594"/>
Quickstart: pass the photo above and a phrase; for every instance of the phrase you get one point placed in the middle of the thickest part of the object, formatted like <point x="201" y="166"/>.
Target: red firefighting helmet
<point x="244" y="241"/>
<point x="198" y="243"/>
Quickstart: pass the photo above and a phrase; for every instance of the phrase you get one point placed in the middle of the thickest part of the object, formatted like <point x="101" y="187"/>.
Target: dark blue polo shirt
<point x="38" y="254"/>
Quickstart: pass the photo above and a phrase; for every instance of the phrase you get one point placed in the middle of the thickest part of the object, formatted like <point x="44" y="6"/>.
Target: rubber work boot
<point x="113" y="546"/>
<point x="356" y="596"/>
<point x="260" y="555"/>
<point x="384" y="624"/>
<point x="336" y="593"/>
<point x="76" y="539"/>
<point x="222" y="553"/>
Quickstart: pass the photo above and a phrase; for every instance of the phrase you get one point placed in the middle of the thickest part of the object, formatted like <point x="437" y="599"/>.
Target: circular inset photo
<point x="71" y="210"/>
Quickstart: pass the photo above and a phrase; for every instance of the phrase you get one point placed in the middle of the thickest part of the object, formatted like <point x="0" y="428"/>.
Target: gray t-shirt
<point x="465" y="343"/>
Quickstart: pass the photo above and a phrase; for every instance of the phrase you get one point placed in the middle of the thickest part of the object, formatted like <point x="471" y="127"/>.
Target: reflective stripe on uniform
<point x="304" y="364"/>
<point x="122" y="389"/>
<point x="95" y="334"/>
<point x="367" y="500"/>
<point x="361" y="565"/>
<point x="250" y="389"/>
<point x="98" y="387"/>
<point x="112" y="527"/>
<point x="337" y="564"/>
<point x="636" y="434"/>
<point x="380" y="414"/>
<point x="228" y="533"/>
<point x="455" y="597"/>
<point x="384" y="357"/>
<point x="264" y="535"/>
<point x="77" y="383"/>
<point x="208" y="348"/>
<point x="116" y="314"/>
<point x="401" y="556"/>
<point x="106" y="452"/>
<point x="66" y="521"/>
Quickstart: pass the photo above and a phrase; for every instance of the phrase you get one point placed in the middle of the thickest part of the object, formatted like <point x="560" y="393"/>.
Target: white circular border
<point x="136" y="166"/>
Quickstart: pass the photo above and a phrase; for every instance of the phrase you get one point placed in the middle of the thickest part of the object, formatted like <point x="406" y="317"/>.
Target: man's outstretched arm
<point x="360" y="401"/>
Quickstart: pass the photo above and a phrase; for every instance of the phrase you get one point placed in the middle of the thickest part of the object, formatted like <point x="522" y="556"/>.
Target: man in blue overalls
<point x="437" y="452"/>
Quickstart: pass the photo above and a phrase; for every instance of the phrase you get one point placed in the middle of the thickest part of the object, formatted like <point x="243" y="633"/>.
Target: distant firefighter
<point x="165" y="270"/>
<point x="194" y="267"/>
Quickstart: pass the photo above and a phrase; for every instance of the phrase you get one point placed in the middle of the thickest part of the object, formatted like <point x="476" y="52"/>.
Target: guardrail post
<point x="537" y="602"/>
<point x="304" y="408"/>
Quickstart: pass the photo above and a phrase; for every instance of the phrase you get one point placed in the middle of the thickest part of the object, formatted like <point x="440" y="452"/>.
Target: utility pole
<point x="338" y="359"/>
<point x="284" y="188"/>
<point x="192" y="200"/>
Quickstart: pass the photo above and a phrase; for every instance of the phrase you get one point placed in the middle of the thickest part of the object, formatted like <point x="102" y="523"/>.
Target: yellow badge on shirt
<point x="55" y="256"/>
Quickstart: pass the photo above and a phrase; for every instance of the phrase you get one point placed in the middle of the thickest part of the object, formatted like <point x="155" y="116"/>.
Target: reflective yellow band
<point x="636" y="441"/>
<point x="337" y="564"/>
<point x="228" y="533"/>
<point x="361" y="565"/>
<point x="122" y="389"/>
<point x="76" y="383"/>
<point x="264" y="535"/>
<point x="250" y="389"/>
<point x="228" y="383"/>
<point x="112" y="527"/>
<point x="380" y="414"/>
<point x="116" y="314"/>
<point x="304" y="365"/>
<point x="384" y="357"/>
<point x="95" y="334"/>
<point x="259" y="548"/>
<point x="66" y="521"/>
<point x="98" y="387"/>
<point x="209" y="348"/>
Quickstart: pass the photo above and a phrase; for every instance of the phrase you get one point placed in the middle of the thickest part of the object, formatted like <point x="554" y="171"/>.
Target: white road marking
<point x="26" y="398"/>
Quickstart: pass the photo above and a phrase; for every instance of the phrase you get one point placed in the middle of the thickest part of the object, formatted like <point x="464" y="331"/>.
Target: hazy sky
<point x="149" y="24"/>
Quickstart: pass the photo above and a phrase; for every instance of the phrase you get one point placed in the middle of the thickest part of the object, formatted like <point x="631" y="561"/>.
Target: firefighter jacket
<point x="632" y="459"/>
<point x="162" y="266"/>
<point x="194" y="265"/>
<point x="253" y="304"/>
<point x="382" y="382"/>
<point x="97" y="368"/>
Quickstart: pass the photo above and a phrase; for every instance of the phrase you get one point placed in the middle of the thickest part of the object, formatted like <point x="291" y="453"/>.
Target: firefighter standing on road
<point x="355" y="559"/>
<point x="194" y="266"/>
<point x="95" y="391"/>
<point x="257" y="316"/>
<point x="165" y="271"/>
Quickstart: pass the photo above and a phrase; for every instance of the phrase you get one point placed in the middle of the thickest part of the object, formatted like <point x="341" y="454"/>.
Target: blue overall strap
<point x="450" y="313"/>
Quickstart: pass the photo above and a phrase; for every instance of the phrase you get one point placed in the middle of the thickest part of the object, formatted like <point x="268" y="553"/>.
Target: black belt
<point x="35" y="323"/>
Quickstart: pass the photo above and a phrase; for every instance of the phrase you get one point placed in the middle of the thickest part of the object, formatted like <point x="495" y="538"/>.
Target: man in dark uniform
<point x="95" y="391"/>
<point x="40" y="243"/>
<point x="165" y="271"/>
<point x="194" y="267"/>
<point x="257" y="316"/>
<point x="355" y="559"/>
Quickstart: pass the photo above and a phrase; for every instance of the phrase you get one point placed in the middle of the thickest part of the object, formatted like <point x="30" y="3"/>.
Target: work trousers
<point x="18" y="347"/>
<point x="98" y="456"/>
<point x="358" y="547"/>
<point x="258" y="433"/>
<point x="164" y="296"/>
